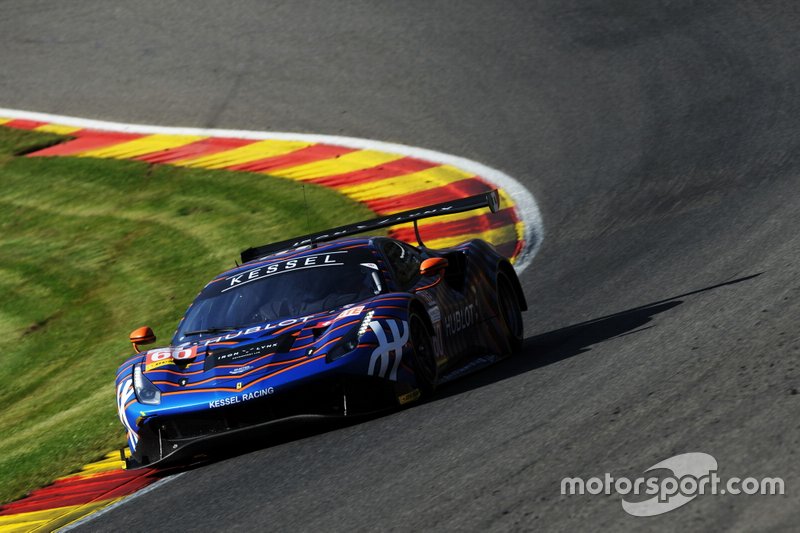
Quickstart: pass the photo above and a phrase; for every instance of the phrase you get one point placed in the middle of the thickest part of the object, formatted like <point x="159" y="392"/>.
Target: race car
<point x="325" y="325"/>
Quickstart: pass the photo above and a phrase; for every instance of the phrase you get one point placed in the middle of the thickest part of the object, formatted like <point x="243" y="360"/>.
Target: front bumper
<point x="186" y="437"/>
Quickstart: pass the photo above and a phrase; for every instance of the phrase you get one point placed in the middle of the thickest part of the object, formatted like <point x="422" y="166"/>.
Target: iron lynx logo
<point x="220" y="357"/>
<point x="691" y="475"/>
<point x="386" y="348"/>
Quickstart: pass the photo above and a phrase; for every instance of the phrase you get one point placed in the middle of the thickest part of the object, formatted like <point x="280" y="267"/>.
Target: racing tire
<point x="510" y="313"/>
<point x="423" y="360"/>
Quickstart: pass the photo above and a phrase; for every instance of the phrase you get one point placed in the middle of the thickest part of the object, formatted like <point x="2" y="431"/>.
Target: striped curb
<point x="70" y="498"/>
<point x="385" y="177"/>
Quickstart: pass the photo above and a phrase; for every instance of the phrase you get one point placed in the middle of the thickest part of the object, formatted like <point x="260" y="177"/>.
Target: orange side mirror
<point x="433" y="266"/>
<point x="142" y="335"/>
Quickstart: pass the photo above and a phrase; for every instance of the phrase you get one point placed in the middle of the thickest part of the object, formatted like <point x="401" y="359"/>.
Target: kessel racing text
<point x="231" y="400"/>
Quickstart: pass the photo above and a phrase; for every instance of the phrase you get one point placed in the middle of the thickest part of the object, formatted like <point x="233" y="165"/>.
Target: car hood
<point x="231" y="360"/>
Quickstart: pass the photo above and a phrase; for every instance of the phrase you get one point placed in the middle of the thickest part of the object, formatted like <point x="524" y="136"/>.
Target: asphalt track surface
<point x="661" y="142"/>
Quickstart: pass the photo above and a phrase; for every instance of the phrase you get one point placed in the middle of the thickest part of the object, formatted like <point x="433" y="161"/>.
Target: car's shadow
<point x="538" y="351"/>
<point x="553" y="346"/>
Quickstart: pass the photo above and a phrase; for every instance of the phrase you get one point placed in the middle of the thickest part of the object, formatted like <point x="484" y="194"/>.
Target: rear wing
<point x="489" y="199"/>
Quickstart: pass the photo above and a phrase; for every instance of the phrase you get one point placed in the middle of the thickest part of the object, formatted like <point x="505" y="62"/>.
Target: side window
<point x="404" y="260"/>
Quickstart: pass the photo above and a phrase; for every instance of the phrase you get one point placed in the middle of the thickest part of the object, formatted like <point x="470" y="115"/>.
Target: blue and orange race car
<point x="325" y="325"/>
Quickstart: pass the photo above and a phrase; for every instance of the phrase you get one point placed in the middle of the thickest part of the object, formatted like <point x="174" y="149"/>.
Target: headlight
<point x="350" y="341"/>
<point x="146" y="392"/>
<point x="365" y="323"/>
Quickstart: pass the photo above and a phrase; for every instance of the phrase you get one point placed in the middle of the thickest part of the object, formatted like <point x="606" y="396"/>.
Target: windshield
<point x="283" y="289"/>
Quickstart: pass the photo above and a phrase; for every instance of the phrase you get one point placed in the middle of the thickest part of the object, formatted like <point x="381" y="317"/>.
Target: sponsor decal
<point x="239" y="398"/>
<point x="353" y="311"/>
<point x="256" y="329"/>
<point x="167" y="356"/>
<point x="231" y="356"/>
<point x="461" y="319"/>
<point x="409" y="397"/>
<point x="274" y="269"/>
<point x="240" y="370"/>
<point x="387" y="349"/>
<point x="435" y="315"/>
<point x="438" y="345"/>
<point x="156" y="364"/>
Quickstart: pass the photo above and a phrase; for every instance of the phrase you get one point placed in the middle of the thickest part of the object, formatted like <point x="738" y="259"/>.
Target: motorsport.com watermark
<point x="693" y="474"/>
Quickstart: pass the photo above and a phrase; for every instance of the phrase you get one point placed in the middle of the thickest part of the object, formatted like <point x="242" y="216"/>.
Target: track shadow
<point x="554" y="346"/>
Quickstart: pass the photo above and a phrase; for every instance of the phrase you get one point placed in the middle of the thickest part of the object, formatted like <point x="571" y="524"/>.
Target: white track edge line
<point x="91" y="516"/>
<point x="524" y="200"/>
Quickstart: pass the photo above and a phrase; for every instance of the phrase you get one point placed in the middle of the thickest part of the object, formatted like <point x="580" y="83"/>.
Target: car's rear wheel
<point x="510" y="312"/>
<point x="424" y="360"/>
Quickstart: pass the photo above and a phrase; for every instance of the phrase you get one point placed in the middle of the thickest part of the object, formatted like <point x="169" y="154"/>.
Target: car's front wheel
<point x="510" y="312"/>
<point x="424" y="361"/>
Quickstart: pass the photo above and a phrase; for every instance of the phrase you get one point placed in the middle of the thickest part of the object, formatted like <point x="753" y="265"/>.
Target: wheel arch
<point x="505" y="267"/>
<point x="415" y="306"/>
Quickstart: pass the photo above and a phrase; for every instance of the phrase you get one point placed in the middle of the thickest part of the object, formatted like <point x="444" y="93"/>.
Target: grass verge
<point x="91" y="249"/>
